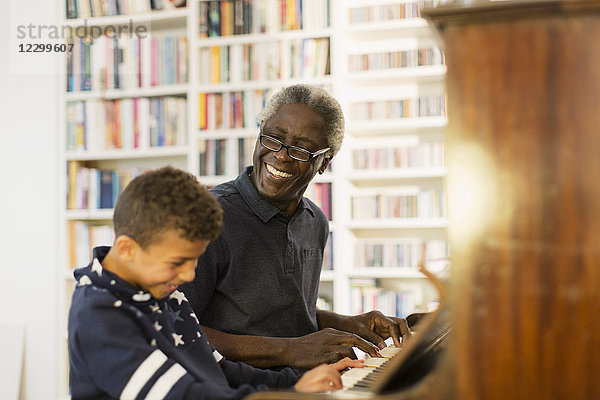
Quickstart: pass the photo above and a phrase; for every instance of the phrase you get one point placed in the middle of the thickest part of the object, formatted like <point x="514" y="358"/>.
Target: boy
<point x="132" y="334"/>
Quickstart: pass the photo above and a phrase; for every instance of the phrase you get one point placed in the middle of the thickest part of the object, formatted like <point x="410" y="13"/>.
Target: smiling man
<point x="256" y="286"/>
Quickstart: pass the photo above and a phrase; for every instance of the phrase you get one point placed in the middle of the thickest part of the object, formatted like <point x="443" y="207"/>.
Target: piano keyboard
<point x="361" y="378"/>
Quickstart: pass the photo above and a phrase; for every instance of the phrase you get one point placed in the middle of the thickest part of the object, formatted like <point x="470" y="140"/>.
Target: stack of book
<point x="239" y="17"/>
<point x="137" y="123"/>
<point x="92" y="188"/>
<point x="424" y="204"/>
<point x="125" y="62"/>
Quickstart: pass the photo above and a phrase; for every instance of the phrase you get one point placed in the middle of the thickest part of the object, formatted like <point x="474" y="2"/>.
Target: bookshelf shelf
<point x="177" y="16"/>
<point x="326" y="177"/>
<point x="248" y="133"/>
<point x="392" y="174"/>
<point x="327" y="276"/>
<point x="407" y="26"/>
<point x="117" y="154"/>
<point x="164" y="90"/>
<point x="264" y="37"/>
<point x="415" y="73"/>
<point x="398" y="223"/>
<point x="213" y="180"/>
<point x="395" y="126"/>
<point x="89" y="215"/>
<point x="262" y="84"/>
<point x="387" y="272"/>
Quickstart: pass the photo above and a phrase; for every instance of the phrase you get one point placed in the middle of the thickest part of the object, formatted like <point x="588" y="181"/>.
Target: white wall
<point x="28" y="198"/>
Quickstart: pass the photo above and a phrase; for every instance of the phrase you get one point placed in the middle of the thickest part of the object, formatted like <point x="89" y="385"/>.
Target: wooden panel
<point x="524" y="201"/>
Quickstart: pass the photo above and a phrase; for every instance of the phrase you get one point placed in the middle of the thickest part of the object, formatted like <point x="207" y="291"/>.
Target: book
<point x="202" y="19"/>
<point x="106" y="188"/>
<point x="214" y="19"/>
<point x="71" y="9"/>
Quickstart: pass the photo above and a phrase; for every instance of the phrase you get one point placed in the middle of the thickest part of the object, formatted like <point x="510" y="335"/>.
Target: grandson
<point x="132" y="334"/>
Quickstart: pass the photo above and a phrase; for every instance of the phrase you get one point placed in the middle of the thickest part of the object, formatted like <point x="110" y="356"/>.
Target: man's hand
<point x="325" y="377"/>
<point x="325" y="346"/>
<point x="372" y="326"/>
<point x="376" y="327"/>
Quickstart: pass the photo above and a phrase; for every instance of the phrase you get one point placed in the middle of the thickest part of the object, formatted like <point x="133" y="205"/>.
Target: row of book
<point x="384" y="12"/>
<point x="392" y="303"/>
<point x="299" y="58"/>
<point x="396" y="59"/>
<point x="425" y="106"/>
<point x="239" y="17"/>
<point x="125" y="62"/>
<point x="320" y="194"/>
<point x="100" y="8"/>
<point x="425" y="204"/>
<point x="137" y="123"/>
<point x="213" y="156"/>
<point x="422" y="155"/>
<point x="398" y="253"/>
<point x="92" y="188"/>
<point x="83" y="237"/>
<point x="230" y="110"/>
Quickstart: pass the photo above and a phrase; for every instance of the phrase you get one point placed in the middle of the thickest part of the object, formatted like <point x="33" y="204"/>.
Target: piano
<point x="406" y="373"/>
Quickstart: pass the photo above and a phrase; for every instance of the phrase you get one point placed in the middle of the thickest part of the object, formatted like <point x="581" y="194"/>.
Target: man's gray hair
<point x="317" y="99"/>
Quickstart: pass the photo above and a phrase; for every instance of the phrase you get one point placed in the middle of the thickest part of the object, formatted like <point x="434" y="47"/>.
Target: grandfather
<point x="256" y="286"/>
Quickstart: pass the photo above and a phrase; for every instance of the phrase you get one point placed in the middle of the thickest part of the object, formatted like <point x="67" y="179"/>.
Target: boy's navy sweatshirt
<point x="125" y="344"/>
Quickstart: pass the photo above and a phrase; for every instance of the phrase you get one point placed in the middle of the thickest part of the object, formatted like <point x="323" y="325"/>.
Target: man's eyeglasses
<point x="297" y="153"/>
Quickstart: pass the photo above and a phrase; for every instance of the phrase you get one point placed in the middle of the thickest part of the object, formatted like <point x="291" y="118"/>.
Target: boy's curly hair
<point x="164" y="199"/>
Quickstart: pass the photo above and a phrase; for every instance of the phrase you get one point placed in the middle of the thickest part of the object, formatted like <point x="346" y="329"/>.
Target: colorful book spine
<point x="424" y="204"/>
<point x="126" y="123"/>
<point x="92" y="188"/>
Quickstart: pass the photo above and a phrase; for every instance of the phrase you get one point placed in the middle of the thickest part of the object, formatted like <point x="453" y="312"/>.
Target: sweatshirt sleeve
<point x="243" y="380"/>
<point x="238" y="373"/>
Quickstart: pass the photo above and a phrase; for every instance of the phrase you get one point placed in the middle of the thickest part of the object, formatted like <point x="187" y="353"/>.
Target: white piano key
<point x="390" y="351"/>
<point x="375" y="361"/>
<point x="372" y="364"/>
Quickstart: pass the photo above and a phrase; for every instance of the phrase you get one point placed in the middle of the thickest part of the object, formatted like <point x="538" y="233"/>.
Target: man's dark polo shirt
<point x="261" y="276"/>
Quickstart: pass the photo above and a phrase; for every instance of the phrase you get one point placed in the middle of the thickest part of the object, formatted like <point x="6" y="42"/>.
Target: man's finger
<point x="372" y="337"/>
<point x="403" y="327"/>
<point x="395" y="333"/>
<point x="364" y="345"/>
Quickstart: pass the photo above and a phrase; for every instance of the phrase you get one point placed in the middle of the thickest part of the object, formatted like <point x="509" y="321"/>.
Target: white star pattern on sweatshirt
<point x="97" y="267"/>
<point x="179" y="296"/>
<point x="177" y="339"/>
<point x="84" y="281"/>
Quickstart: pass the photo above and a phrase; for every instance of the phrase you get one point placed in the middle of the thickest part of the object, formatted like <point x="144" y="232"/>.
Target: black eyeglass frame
<point x="311" y="154"/>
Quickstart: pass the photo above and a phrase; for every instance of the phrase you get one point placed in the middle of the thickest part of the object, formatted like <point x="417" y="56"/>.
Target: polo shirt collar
<point x="259" y="204"/>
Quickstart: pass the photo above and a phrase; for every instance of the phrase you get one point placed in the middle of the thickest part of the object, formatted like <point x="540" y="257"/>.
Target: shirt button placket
<point x="290" y="257"/>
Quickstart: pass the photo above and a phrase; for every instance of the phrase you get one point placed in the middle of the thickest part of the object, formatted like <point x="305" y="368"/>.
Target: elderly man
<point x="256" y="286"/>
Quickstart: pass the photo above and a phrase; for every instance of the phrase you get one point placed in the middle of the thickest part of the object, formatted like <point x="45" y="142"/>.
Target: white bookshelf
<point x="370" y="36"/>
<point x="344" y="39"/>
<point x="170" y="22"/>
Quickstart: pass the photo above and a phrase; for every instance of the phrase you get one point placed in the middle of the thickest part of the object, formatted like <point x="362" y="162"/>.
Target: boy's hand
<point x="325" y="377"/>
